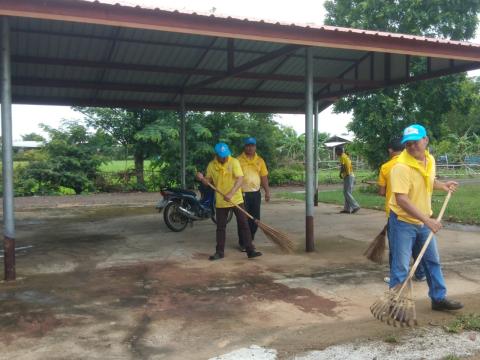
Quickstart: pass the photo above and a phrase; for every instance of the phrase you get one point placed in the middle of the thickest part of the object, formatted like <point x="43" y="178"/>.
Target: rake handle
<point x="238" y="207"/>
<point x="425" y="246"/>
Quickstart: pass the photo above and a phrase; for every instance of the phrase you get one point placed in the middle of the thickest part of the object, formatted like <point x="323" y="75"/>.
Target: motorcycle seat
<point x="182" y="191"/>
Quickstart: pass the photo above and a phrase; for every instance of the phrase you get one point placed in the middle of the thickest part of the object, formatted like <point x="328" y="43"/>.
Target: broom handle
<point x="238" y="207"/>
<point x="427" y="242"/>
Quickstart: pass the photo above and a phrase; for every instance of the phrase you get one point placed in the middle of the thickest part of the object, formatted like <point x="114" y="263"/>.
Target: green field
<point x="121" y="165"/>
<point x="463" y="207"/>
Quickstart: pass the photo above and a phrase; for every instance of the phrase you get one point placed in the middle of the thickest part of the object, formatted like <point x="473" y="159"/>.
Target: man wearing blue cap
<point x="412" y="182"/>
<point x="226" y="174"/>
<point x="255" y="175"/>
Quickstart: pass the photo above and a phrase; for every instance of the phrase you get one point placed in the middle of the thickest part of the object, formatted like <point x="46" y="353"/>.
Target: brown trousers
<point x="243" y="229"/>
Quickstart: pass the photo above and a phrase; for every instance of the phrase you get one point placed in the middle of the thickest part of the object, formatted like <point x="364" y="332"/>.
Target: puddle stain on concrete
<point x="158" y="290"/>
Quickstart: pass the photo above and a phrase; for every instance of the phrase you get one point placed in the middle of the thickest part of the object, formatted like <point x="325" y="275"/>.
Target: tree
<point x="70" y="159"/>
<point x="33" y="137"/>
<point x="204" y="130"/>
<point x="123" y="126"/>
<point x="379" y="116"/>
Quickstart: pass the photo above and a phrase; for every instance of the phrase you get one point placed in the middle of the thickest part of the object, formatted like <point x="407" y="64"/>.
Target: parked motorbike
<point x="182" y="207"/>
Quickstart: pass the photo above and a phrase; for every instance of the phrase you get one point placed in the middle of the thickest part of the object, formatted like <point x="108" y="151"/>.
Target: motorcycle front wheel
<point x="174" y="220"/>
<point x="214" y="218"/>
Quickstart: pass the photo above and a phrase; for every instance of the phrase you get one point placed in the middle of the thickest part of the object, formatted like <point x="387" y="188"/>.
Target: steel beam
<point x="315" y="153"/>
<point x="183" y="143"/>
<point x="183" y="70"/>
<point x="285" y="50"/>
<point x="167" y="105"/>
<point x="7" y="165"/>
<point x="309" y="168"/>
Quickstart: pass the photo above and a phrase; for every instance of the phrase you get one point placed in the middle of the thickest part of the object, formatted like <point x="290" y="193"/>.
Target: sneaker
<point x="355" y="210"/>
<point x="446" y="304"/>
<point x="420" y="279"/>
<point x="344" y="212"/>
<point x="216" y="256"/>
<point x="242" y="248"/>
<point x="386" y="279"/>
<point x="254" y="254"/>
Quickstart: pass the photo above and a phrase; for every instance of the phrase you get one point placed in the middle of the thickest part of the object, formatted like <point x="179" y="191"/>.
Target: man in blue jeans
<point x="413" y="180"/>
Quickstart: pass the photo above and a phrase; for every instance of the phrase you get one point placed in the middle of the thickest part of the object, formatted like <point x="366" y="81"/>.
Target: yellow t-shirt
<point x="253" y="169"/>
<point x="346" y="165"/>
<point x="223" y="177"/>
<point x="406" y="179"/>
<point x="384" y="180"/>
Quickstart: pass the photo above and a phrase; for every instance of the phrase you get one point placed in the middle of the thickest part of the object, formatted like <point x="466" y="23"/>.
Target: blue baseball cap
<point x="250" y="141"/>
<point x="413" y="133"/>
<point x="222" y="150"/>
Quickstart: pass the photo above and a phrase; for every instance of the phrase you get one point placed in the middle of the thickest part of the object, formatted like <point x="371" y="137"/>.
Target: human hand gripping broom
<point x="279" y="238"/>
<point x="395" y="306"/>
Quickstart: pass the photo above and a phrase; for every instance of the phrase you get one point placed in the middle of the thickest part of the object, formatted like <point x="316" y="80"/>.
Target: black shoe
<point x="446" y="304"/>
<point x="355" y="210"/>
<point x="216" y="256"/>
<point x="344" y="212"/>
<point x="253" y="254"/>
<point x="419" y="279"/>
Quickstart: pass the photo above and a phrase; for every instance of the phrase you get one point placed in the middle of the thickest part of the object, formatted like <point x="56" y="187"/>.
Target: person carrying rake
<point x="412" y="182"/>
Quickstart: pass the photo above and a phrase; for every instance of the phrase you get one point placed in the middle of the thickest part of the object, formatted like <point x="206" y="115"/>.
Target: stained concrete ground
<point x="106" y="279"/>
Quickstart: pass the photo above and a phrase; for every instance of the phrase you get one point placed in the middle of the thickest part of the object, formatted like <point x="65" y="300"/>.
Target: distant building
<point x="337" y="141"/>
<point x="21" y="146"/>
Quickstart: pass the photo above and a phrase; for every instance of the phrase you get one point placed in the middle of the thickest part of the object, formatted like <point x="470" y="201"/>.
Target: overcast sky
<point x="27" y="117"/>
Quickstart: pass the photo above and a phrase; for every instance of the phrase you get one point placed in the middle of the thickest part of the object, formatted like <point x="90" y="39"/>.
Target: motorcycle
<point x="182" y="207"/>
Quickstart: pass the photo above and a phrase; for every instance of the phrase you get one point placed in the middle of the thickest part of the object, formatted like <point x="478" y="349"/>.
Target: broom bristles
<point x="279" y="238"/>
<point x="376" y="249"/>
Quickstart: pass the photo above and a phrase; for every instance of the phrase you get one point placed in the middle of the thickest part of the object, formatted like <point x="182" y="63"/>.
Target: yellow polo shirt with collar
<point x="223" y="177"/>
<point x="346" y="165"/>
<point x="384" y="180"/>
<point x="253" y="169"/>
<point x="409" y="180"/>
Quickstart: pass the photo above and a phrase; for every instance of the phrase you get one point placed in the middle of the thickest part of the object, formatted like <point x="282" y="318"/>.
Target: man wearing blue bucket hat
<point x="412" y="183"/>
<point x="255" y="175"/>
<point x="226" y="174"/>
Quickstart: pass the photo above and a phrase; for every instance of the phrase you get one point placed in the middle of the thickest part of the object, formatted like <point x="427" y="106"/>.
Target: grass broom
<point x="376" y="249"/>
<point x="395" y="306"/>
<point x="279" y="238"/>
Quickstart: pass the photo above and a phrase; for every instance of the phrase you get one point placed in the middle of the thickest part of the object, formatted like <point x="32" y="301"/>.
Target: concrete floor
<point x="106" y="279"/>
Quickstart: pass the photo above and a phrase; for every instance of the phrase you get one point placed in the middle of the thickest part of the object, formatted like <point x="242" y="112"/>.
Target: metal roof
<point x="74" y="52"/>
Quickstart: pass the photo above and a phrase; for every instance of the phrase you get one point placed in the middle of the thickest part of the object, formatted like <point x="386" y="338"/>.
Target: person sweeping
<point x="225" y="173"/>
<point x="410" y="223"/>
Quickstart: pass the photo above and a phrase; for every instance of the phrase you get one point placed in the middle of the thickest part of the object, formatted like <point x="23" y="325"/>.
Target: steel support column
<point x="7" y="169"/>
<point x="309" y="168"/>
<point x="315" y="153"/>
<point x="183" y="143"/>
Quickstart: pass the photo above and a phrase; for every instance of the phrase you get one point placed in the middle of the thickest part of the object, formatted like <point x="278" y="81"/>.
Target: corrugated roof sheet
<point x="56" y="60"/>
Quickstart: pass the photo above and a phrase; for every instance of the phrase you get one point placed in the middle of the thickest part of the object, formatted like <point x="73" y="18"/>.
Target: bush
<point x="286" y="176"/>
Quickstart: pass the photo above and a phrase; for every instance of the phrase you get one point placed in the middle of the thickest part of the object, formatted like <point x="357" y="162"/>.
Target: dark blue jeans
<point x="406" y="239"/>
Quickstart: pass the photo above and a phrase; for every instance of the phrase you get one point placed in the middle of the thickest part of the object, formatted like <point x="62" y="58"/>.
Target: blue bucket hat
<point x="250" y="141"/>
<point x="222" y="150"/>
<point x="413" y="133"/>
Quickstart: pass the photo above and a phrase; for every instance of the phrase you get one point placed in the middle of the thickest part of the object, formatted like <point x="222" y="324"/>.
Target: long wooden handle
<point x="427" y="242"/>
<point x="238" y="207"/>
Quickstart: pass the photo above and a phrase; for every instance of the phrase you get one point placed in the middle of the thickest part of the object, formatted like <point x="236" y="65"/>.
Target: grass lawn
<point x="462" y="208"/>
<point x="121" y="165"/>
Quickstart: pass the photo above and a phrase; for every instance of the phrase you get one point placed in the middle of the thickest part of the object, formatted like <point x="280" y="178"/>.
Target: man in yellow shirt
<point x="410" y="222"/>
<point x="255" y="174"/>
<point x="226" y="174"/>
<point x="395" y="147"/>
<point x="346" y="173"/>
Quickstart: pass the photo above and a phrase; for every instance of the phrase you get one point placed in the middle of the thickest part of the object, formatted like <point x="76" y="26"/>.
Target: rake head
<point x="395" y="309"/>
